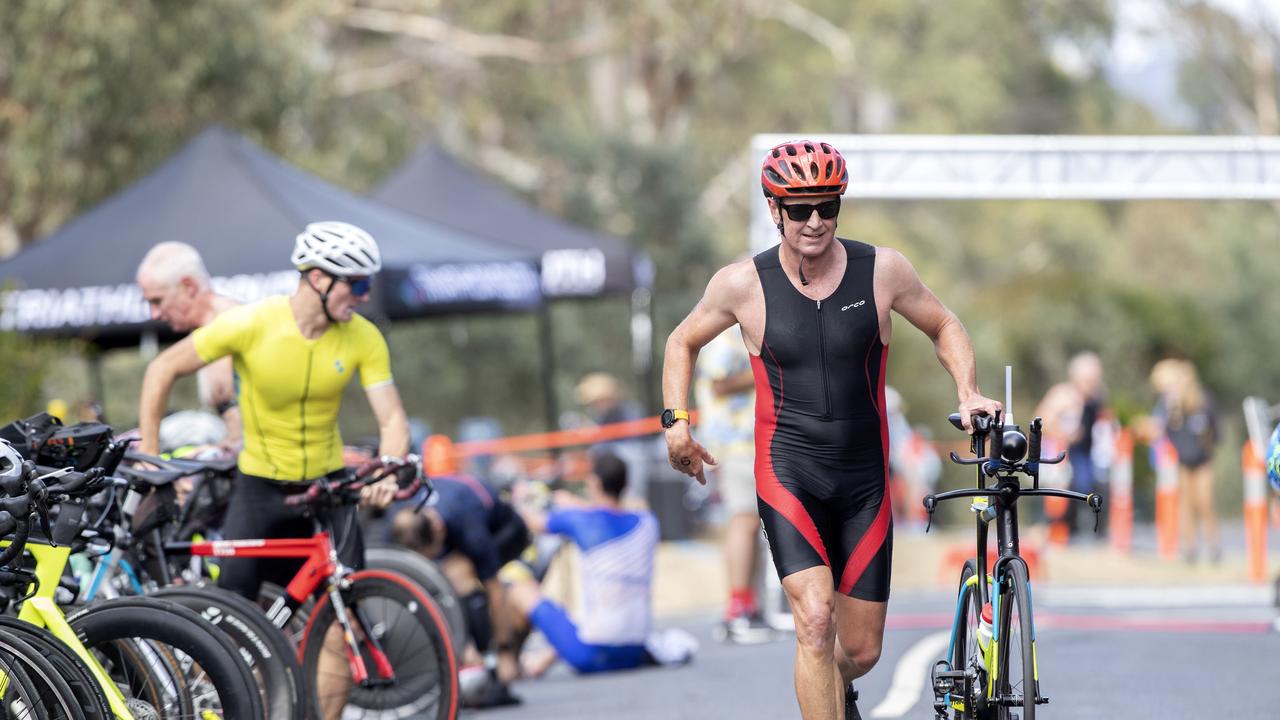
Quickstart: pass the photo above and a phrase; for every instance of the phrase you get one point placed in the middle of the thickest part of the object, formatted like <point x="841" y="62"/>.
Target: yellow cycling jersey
<point x="291" y="387"/>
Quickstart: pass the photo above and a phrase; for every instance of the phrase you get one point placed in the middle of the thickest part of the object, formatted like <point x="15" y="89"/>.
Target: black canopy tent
<point x="241" y="207"/>
<point x="575" y="262"/>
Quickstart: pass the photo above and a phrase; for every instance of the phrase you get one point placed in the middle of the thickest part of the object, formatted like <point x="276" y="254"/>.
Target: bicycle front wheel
<point x="137" y="636"/>
<point x="966" y="653"/>
<point x="397" y="617"/>
<point x="1016" y="683"/>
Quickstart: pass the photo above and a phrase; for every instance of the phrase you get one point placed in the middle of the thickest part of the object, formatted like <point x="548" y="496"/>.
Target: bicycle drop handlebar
<point x="347" y="491"/>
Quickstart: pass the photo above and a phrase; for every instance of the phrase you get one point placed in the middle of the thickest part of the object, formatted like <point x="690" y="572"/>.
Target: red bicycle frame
<point x="321" y="565"/>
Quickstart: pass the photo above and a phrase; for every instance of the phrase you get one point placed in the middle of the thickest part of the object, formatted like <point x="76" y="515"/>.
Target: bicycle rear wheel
<point x="966" y="653"/>
<point x="1016" y="683"/>
<point x="412" y="634"/>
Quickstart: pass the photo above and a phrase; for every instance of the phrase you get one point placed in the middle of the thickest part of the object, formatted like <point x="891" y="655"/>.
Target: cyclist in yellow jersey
<point x="294" y="355"/>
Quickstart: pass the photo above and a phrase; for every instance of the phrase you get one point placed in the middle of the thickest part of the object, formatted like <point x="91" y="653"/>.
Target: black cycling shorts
<point x="257" y="510"/>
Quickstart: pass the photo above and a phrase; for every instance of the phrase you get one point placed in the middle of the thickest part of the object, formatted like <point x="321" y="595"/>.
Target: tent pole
<point x="97" y="386"/>
<point x="546" y="342"/>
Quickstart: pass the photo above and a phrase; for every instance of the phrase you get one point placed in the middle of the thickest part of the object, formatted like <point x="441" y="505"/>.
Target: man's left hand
<point x="380" y="494"/>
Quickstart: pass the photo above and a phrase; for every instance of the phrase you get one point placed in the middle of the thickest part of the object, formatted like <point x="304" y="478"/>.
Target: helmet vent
<point x="791" y="150"/>
<point x="830" y="165"/>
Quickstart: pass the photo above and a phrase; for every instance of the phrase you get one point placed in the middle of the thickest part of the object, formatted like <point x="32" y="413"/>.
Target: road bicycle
<point x="395" y="641"/>
<point x="145" y="658"/>
<point x="996" y="678"/>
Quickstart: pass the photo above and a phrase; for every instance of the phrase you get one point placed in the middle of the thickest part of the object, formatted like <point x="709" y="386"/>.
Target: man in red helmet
<point x="814" y="313"/>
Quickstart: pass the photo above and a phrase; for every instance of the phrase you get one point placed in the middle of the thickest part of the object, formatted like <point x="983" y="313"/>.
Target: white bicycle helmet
<point x="10" y="462"/>
<point x="338" y="248"/>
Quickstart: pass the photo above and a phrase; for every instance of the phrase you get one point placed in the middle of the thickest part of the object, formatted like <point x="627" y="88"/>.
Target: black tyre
<point x="32" y="689"/>
<point x="425" y="573"/>
<point x="1016" y="678"/>
<point x="271" y="657"/>
<point x="966" y="653"/>
<point x="135" y="629"/>
<point x="412" y="633"/>
<point x="91" y="701"/>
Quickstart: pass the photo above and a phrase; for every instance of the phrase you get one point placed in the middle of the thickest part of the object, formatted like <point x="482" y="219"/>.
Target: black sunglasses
<point x="801" y="212"/>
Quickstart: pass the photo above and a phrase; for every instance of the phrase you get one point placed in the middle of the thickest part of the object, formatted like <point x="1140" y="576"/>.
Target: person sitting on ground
<point x="618" y="546"/>
<point x="471" y="532"/>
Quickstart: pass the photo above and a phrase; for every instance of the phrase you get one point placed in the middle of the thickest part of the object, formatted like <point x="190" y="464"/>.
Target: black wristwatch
<point x="671" y="415"/>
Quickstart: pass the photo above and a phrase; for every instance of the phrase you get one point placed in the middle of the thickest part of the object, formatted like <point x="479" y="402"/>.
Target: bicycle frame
<point x="40" y="610"/>
<point x="321" y="570"/>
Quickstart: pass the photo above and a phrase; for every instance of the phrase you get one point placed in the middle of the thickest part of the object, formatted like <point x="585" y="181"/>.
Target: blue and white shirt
<point x="618" y="548"/>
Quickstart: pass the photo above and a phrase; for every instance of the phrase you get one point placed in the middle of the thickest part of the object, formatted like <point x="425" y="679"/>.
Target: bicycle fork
<point x="958" y="688"/>
<point x="357" y="630"/>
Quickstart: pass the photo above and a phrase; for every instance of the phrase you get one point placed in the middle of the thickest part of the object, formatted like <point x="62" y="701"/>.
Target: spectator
<point x="472" y="533"/>
<point x="618" y="546"/>
<point x="1187" y="414"/>
<point x="600" y="394"/>
<point x="1070" y="411"/>
<point x="725" y="391"/>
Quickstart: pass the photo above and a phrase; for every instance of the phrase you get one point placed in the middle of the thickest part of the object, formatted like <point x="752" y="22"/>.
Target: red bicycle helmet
<point x="804" y="167"/>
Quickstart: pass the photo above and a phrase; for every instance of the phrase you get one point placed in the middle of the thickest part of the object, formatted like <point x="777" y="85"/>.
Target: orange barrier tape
<point x="560" y="438"/>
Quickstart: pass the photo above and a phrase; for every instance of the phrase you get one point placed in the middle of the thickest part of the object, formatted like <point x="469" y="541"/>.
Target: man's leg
<point x="859" y="636"/>
<point x="812" y="596"/>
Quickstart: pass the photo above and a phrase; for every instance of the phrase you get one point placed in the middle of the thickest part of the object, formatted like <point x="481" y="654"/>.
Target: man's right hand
<point x="685" y="454"/>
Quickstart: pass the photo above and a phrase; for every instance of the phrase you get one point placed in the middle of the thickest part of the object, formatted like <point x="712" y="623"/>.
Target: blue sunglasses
<point x="359" y="286"/>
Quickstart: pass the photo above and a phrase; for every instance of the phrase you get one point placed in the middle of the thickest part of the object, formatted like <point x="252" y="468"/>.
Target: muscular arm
<point x="393" y="425"/>
<point x="393" y="439"/>
<point x="711" y="316"/>
<point x="177" y="361"/>
<point x="915" y="302"/>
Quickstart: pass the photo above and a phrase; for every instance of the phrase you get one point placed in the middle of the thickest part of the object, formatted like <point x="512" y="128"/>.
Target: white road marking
<point x="910" y="675"/>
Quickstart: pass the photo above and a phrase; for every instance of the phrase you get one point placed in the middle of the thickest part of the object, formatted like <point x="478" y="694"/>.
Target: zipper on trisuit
<point x="822" y="366"/>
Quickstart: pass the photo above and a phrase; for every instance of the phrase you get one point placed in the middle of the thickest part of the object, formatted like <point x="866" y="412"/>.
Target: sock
<point x="478" y="621"/>
<point x="742" y="601"/>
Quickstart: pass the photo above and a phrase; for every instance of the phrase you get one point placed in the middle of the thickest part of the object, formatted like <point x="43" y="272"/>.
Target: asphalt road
<point x="1132" y="653"/>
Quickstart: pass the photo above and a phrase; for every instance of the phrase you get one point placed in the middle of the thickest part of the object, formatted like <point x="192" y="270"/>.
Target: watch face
<point x="668" y="418"/>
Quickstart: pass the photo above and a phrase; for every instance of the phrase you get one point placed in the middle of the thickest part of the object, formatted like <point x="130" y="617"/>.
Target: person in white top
<point x="618" y="548"/>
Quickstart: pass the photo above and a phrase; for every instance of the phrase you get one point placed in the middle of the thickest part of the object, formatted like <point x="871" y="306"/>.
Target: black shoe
<point x="851" y="704"/>
<point x="495" y="694"/>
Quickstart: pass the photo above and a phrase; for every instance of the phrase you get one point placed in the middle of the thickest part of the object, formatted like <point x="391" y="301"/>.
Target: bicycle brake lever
<point x="930" y="504"/>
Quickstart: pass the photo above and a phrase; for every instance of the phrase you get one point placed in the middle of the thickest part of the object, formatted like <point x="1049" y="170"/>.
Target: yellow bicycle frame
<point x="41" y="610"/>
